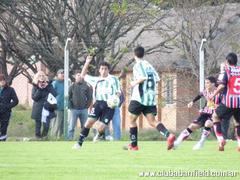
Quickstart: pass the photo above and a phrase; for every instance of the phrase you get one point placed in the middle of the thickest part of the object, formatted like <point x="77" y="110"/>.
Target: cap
<point x="60" y="71"/>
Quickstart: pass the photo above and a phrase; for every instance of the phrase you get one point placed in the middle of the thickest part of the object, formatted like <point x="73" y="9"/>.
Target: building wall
<point x="187" y="89"/>
<point x="168" y="109"/>
<point x="23" y="89"/>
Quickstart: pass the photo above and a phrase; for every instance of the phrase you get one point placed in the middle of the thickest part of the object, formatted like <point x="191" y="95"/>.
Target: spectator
<point x="8" y="100"/>
<point x="40" y="93"/>
<point x="80" y="98"/>
<point x="57" y="123"/>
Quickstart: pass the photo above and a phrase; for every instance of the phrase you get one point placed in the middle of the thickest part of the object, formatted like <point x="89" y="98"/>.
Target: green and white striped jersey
<point x="103" y="88"/>
<point x="145" y="93"/>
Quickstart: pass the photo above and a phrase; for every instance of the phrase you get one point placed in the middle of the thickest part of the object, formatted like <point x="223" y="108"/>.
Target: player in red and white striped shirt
<point x="204" y="119"/>
<point x="229" y="85"/>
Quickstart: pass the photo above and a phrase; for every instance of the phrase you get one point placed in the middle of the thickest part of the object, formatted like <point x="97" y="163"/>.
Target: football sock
<point x="162" y="129"/>
<point x="183" y="135"/>
<point x="84" y="133"/>
<point x="205" y="133"/>
<point x="133" y="136"/>
<point x="237" y="130"/>
<point x="218" y="131"/>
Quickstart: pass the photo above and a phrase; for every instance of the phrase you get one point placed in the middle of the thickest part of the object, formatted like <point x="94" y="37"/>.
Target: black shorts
<point x="137" y="108"/>
<point x="202" y="119"/>
<point x="101" y="111"/>
<point x="223" y="112"/>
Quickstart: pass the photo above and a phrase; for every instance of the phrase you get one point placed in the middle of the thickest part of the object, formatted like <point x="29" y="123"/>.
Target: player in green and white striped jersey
<point x="106" y="89"/>
<point x="143" y="99"/>
<point x="145" y="92"/>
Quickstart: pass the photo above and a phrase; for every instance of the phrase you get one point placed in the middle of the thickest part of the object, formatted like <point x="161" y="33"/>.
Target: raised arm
<point x="85" y="67"/>
<point x="199" y="96"/>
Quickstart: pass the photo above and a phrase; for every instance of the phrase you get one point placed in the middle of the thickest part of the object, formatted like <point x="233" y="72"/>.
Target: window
<point x="169" y="91"/>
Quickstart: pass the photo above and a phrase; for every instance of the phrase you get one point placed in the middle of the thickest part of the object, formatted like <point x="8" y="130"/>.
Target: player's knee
<point x="133" y="122"/>
<point x="152" y="123"/>
<point x="215" y="117"/>
<point x="89" y="123"/>
<point x="193" y="126"/>
<point x="101" y="127"/>
<point x="208" y="123"/>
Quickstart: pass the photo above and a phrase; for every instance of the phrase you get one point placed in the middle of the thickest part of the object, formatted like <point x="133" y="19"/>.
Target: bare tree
<point x="37" y="30"/>
<point x="198" y="20"/>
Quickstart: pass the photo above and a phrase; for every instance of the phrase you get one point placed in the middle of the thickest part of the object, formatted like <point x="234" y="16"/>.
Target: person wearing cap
<point x="57" y="123"/>
<point x="8" y="100"/>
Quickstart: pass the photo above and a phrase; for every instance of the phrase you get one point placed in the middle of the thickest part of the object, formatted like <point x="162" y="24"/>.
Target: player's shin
<point x="162" y="129"/>
<point x="134" y="136"/>
<point x="237" y="131"/>
<point x="84" y="133"/>
<point x="183" y="135"/>
<point x="218" y="131"/>
<point x="205" y="133"/>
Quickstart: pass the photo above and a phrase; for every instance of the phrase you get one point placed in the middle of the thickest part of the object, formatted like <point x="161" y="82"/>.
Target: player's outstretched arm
<point x="85" y="67"/>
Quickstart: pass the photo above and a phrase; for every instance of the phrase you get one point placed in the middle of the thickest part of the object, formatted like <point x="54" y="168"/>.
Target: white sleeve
<point x="92" y="80"/>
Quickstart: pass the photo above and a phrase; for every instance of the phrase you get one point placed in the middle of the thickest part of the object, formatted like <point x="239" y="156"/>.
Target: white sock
<point x="183" y="135"/>
<point x="204" y="135"/>
<point x="219" y="136"/>
<point x="238" y="140"/>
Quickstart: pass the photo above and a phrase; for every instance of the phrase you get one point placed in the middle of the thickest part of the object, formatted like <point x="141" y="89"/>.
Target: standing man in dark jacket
<point x="41" y="89"/>
<point x="80" y="98"/>
<point x="8" y="100"/>
<point x="57" y="123"/>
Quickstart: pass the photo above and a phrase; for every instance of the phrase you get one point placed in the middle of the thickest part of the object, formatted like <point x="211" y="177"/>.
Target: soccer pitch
<point x="107" y="160"/>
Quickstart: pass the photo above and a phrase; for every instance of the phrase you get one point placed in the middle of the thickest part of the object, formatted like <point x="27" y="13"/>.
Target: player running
<point x="143" y="99"/>
<point x="229" y="85"/>
<point x="204" y="119"/>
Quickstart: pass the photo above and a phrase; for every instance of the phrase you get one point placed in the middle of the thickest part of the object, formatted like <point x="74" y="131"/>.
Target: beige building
<point x="175" y="90"/>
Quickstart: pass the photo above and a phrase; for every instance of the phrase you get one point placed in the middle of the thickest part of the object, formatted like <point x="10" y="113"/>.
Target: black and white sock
<point x="84" y="133"/>
<point x="133" y="136"/>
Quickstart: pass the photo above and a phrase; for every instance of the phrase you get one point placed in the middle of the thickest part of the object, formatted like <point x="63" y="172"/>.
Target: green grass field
<point x="107" y="160"/>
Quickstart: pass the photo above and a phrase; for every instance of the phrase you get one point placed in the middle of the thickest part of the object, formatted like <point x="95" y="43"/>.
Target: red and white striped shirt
<point x="231" y="79"/>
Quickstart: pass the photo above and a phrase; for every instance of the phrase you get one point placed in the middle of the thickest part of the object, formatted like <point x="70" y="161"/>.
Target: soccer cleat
<point x="98" y="137"/>
<point x="170" y="141"/>
<point x="3" y="138"/>
<point x="221" y="145"/>
<point x="198" y="146"/>
<point x="76" y="146"/>
<point x="109" y="138"/>
<point x="130" y="148"/>
<point x="238" y="148"/>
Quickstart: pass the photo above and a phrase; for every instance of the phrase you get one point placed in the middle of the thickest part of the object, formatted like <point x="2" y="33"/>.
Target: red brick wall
<point x="187" y="89"/>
